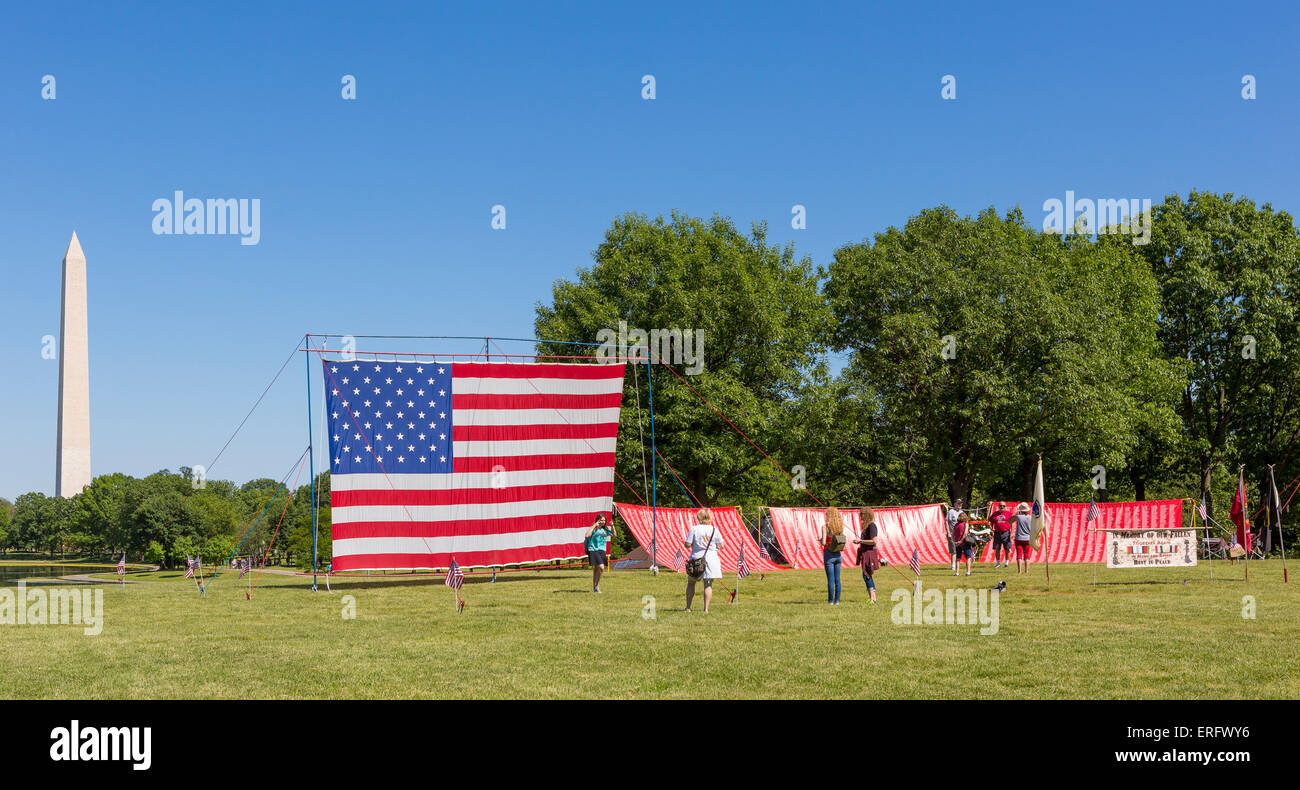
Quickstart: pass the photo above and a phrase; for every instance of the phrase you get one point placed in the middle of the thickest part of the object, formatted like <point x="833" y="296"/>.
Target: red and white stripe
<point x="898" y="531"/>
<point x="672" y="524"/>
<point x="533" y="448"/>
<point x="1071" y="538"/>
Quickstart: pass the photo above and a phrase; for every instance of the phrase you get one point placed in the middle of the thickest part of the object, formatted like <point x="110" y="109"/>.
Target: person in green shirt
<point x="596" y="541"/>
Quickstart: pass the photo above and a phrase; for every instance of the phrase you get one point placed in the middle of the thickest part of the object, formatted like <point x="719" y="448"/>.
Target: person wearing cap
<point x="1024" y="532"/>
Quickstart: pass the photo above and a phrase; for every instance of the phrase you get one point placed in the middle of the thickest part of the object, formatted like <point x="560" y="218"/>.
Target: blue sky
<point x="375" y="213"/>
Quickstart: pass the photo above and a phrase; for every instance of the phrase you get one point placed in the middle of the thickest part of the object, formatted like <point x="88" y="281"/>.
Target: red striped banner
<point x="898" y="531"/>
<point x="1071" y="538"/>
<point x="672" y="524"/>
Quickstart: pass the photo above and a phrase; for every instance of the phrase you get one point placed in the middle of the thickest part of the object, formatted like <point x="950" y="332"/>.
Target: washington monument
<point x="72" y="467"/>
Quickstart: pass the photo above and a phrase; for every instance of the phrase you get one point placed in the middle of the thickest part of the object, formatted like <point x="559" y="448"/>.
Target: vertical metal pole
<point x="311" y="465"/>
<point x="1281" y="541"/>
<point x="654" y="477"/>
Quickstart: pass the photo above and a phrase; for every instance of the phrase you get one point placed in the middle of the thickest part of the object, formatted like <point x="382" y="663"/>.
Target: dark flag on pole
<point x="1239" y="515"/>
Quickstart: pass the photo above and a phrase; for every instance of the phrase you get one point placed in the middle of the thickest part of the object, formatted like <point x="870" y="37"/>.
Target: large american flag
<point x="495" y="463"/>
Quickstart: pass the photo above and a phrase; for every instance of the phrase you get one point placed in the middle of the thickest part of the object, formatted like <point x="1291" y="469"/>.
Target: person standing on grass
<point x="703" y="541"/>
<point x="868" y="556"/>
<point x="961" y="549"/>
<point x="1024" y="532"/>
<point x="1001" y="521"/>
<point x="833" y="541"/>
<point x="953" y="515"/>
<point x="596" y="543"/>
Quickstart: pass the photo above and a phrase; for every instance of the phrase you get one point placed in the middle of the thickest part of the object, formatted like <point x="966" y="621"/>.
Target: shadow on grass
<point x="433" y="581"/>
<point x="1178" y="582"/>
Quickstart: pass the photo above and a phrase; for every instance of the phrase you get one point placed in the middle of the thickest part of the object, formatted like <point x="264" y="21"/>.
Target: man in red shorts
<point x="1001" y="523"/>
<point x="1023" y="534"/>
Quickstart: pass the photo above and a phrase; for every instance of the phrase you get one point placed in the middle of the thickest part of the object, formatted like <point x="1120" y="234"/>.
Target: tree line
<point x="937" y="360"/>
<point x="168" y="516"/>
<point x="931" y="362"/>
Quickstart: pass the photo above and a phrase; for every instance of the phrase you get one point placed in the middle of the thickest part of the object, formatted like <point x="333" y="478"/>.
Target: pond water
<point x="11" y="574"/>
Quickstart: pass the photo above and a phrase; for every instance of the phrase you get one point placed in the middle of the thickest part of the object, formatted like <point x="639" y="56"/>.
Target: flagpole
<point x="311" y="466"/>
<point x="742" y="559"/>
<point x="1103" y="543"/>
<point x="654" y="475"/>
<point x="1245" y="520"/>
<point x="1209" y="554"/>
<point x="1281" y="542"/>
<point x="1047" y="561"/>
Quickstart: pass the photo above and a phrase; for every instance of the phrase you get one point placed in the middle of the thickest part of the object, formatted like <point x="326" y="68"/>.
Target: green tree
<point x="167" y="517"/>
<point x="298" y="542"/>
<point x="978" y="343"/>
<point x="752" y="308"/>
<point x="1229" y="278"/>
<point x="104" y="510"/>
<point x="6" y="522"/>
<point x="41" y="522"/>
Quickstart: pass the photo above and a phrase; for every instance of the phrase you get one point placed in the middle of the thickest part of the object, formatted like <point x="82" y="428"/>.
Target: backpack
<point x="837" y="542"/>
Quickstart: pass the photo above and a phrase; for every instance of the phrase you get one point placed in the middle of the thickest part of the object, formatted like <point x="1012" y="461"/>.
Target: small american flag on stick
<point x="1094" y="512"/>
<point x="455" y="577"/>
<point x="742" y="568"/>
<point x="916" y="563"/>
<point x="244" y="566"/>
<point x="121" y="566"/>
<point x="189" y="567"/>
<point x="1204" y="515"/>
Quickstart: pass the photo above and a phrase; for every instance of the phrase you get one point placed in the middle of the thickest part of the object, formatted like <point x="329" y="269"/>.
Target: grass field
<point x="1138" y="634"/>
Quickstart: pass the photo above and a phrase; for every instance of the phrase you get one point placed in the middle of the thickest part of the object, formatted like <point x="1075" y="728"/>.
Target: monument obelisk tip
<point x="74" y="252"/>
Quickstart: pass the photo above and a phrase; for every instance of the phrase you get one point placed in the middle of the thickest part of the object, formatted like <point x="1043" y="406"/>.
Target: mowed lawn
<point x="1138" y="634"/>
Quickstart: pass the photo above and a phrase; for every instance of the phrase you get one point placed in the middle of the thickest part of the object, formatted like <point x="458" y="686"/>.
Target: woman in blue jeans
<point x="832" y="557"/>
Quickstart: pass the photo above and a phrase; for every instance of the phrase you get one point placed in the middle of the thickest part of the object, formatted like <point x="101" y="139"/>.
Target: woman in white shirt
<point x="703" y="540"/>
